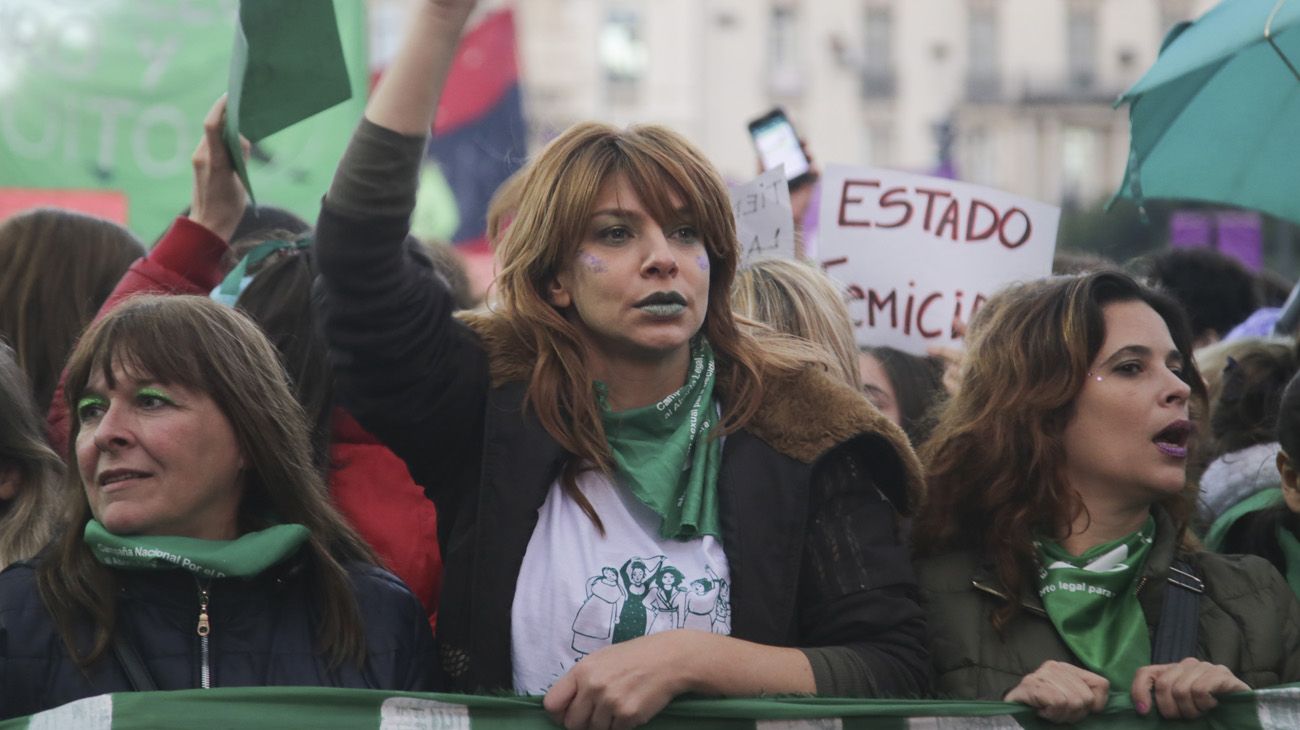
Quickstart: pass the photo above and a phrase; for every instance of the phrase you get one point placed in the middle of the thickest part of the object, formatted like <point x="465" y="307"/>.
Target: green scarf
<point x="1092" y="601"/>
<point x="243" y="557"/>
<point x="663" y="452"/>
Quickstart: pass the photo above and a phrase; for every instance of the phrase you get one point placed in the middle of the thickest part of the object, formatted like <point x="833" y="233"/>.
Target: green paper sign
<point x="111" y="96"/>
<point x="287" y="64"/>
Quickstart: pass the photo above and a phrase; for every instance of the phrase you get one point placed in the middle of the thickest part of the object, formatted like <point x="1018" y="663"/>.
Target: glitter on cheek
<point x="594" y="263"/>
<point x="703" y="262"/>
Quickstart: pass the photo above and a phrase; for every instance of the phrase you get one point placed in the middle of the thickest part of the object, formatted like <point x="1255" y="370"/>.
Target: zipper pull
<point x="204" y="627"/>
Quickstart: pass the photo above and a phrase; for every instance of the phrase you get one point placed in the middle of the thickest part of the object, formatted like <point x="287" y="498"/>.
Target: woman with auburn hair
<point x="1071" y="571"/>
<point x="56" y="268"/>
<point x="608" y="407"/>
<point x="29" y="469"/>
<point x="798" y="299"/>
<point x="202" y="549"/>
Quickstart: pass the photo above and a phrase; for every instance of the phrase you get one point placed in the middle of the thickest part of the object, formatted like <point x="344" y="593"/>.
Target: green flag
<point x="287" y="64"/>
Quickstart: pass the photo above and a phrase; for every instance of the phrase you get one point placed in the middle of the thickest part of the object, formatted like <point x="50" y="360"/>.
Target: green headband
<point x="228" y="291"/>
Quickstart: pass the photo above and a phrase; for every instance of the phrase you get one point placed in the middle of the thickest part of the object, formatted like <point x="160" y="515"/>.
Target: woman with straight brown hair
<point x="1055" y="556"/>
<point x="610" y="411"/>
<point x="29" y="469"/>
<point x="202" y="550"/>
<point x="56" y="268"/>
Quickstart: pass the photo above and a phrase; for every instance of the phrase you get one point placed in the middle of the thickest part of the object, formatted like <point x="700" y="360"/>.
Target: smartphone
<point x="777" y="143"/>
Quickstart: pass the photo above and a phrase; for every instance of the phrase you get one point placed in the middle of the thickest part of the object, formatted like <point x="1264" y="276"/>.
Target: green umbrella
<point x="1217" y="117"/>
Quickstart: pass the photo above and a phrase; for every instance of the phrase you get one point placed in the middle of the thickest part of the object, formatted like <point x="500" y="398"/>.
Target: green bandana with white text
<point x="243" y="557"/>
<point x="663" y="452"/>
<point x="1092" y="601"/>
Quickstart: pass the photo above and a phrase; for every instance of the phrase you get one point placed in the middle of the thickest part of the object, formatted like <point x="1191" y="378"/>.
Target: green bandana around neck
<point x="663" y="452"/>
<point x="243" y="557"/>
<point x="1092" y="601"/>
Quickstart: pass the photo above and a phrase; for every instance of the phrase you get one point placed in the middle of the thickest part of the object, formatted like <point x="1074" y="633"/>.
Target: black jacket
<point x="812" y="545"/>
<point x="262" y="633"/>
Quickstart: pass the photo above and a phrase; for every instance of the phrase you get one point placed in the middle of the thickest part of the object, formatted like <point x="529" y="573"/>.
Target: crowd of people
<point x="273" y="453"/>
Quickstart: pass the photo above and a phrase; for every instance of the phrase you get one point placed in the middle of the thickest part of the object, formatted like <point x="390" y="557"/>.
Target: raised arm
<point x="407" y="96"/>
<point x="404" y="367"/>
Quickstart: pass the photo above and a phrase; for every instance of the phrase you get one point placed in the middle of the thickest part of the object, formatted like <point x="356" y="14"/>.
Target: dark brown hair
<point x="1245" y="410"/>
<point x="196" y="343"/>
<point x="27" y="521"/>
<point x="56" y="269"/>
<point x="995" y="462"/>
<point x="918" y="389"/>
<point x="279" y="300"/>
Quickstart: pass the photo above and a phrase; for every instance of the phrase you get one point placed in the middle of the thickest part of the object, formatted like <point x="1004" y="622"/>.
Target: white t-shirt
<point x="579" y="591"/>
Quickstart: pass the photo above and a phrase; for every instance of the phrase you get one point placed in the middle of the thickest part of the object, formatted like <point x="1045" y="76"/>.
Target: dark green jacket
<point x="1250" y="620"/>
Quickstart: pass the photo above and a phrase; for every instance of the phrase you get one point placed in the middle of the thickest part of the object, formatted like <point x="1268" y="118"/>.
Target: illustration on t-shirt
<point x="645" y="596"/>
<point x="594" y="626"/>
<point x="664" y="602"/>
<point x="636" y="573"/>
<point x="700" y="609"/>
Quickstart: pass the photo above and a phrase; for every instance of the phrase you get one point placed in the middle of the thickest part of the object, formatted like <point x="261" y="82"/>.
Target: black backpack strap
<point x="1180" y="616"/>
<point x="136" y="672"/>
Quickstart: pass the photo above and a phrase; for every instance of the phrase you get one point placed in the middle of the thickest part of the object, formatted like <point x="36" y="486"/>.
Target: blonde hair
<point x="799" y="299"/>
<point x="555" y="198"/>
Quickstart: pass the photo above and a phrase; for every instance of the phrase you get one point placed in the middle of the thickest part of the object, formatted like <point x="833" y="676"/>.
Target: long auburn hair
<point x="56" y="268"/>
<point x="197" y="343"/>
<point x="556" y="195"/>
<point x="27" y="521"/>
<point x="997" y="457"/>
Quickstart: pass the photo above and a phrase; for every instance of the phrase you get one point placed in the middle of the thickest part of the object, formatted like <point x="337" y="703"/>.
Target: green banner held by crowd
<point x="111" y="96"/>
<point x="353" y="709"/>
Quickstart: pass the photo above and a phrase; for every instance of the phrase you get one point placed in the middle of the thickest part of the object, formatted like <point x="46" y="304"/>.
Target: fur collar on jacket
<point x="804" y="414"/>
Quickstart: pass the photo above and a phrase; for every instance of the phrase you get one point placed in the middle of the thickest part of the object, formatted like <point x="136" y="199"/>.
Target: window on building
<point x="784" y="74"/>
<point x="978" y="156"/>
<point x="623" y="53"/>
<point x="1081" y="46"/>
<point x="878" y="143"/>
<point x="878" y="52"/>
<point x="1081" y="160"/>
<point x="984" y="79"/>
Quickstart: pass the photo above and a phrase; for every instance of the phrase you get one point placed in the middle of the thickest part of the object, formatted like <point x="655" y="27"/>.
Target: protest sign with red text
<point x="917" y="252"/>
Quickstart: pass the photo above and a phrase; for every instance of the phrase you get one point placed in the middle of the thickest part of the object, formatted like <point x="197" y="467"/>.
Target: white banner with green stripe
<point x="333" y="709"/>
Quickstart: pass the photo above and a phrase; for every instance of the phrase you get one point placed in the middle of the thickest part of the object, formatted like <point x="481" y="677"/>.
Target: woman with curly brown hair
<point x="1070" y="570"/>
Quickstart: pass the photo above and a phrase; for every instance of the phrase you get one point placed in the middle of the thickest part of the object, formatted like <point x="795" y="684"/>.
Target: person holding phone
<point x="778" y="144"/>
